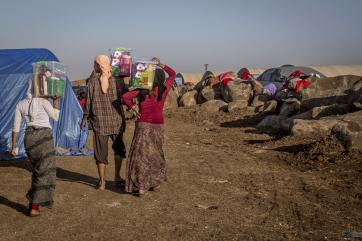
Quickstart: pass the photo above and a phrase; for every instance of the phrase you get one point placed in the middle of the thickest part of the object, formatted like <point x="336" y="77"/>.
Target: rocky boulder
<point x="328" y="91"/>
<point x="317" y="113"/>
<point x="301" y="127"/>
<point x="271" y="124"/>
<point x="349" y="131"/>
<point x="213" y="106"/>
<point x="211" y="93"/>
<point x="355" y="94"/>
<point x="288" y="109"/>
<point x="237" y="105"/>
<point x="188" y="99"/>
<point x="181" y="90"/>
<point x="237" y="90"/>
<point x="336" y="109"/>
<point x="171" y="101"/>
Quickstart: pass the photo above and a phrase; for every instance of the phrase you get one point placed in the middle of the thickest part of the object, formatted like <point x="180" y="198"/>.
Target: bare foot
<point x="141" y="192"/>
<point x="101" y="185"/>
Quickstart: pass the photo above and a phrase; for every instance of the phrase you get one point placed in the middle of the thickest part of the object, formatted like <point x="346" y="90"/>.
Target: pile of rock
<point x="329" y="106"/>
<point x="236" y="95"/>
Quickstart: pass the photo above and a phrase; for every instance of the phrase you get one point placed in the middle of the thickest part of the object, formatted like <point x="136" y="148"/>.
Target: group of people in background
<point x="103" y="110"/>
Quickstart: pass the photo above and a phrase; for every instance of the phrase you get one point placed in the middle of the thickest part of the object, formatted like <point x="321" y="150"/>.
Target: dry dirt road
<point x="226" y="182"/>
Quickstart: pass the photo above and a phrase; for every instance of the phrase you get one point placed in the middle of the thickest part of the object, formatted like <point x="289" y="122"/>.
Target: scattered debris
<point x="209" y="207"/>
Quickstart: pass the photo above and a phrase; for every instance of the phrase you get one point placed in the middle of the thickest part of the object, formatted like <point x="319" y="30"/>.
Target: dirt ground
<point x="226" y="182"/>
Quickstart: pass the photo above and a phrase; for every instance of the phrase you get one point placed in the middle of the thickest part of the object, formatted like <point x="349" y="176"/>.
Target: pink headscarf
<point x="105" y="65"/>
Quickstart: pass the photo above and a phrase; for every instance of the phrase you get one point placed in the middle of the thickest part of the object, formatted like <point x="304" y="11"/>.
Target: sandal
<point x="33" y="210"/>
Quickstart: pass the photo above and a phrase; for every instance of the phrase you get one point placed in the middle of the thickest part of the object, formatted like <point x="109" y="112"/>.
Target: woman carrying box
<point x="146" y="168"/>
<point x="39" y="146"/>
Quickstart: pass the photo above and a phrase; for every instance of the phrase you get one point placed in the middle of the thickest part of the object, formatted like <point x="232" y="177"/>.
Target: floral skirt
<point x="146" y="164"/>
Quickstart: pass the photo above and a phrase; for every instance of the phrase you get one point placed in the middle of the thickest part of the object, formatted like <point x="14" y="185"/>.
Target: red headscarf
<point x="225" y="78"/>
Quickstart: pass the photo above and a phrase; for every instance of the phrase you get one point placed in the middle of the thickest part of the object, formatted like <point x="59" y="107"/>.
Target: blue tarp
<point x="15" y="72"/>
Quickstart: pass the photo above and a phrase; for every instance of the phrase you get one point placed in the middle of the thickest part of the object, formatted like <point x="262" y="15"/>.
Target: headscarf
<point x="206" y="77"/>
<point x="243" y="74"/>
<point x="225" y="78"/>
<point x="297" y="74"/>
<point x="104" y="63"/>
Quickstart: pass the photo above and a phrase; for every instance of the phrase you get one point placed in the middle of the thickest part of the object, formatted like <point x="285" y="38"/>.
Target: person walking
<point x="39" y="147"/>
<point x="103" y="109"/>
<point x="146" y="164"/>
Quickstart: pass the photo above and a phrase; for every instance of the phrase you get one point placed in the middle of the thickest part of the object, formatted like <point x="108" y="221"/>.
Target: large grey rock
<point x="237" y="105"/>
<point x="312" y="127"/>
<point x="317" y="113"/>
<point x="181" y="90"/>
<point x="289" y="109"/>
<point x="328" y="91"/>
<point x="349" y="131"/>
<point x="287" y="123"/>
<point x="188" y="99"/>
<point x="271" y="124"/>
<point x="336" y="109"/>
<point x="211" y="93"/>
<point x="355" y="94"/>
<point x="171" y="101"/>
<point x="213" y="106"/>
<point x="236" y="90"/>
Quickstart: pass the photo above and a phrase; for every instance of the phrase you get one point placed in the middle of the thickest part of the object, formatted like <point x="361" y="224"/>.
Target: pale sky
<point x="226" y="34"/>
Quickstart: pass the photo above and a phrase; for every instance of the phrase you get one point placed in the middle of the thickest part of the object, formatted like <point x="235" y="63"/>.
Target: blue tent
<point x="15" y="72"/>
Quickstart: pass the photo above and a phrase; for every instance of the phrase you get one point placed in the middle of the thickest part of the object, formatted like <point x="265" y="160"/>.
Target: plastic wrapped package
<point x="143" y="73"/>
<point x="49" y="79"/>
<point x="179" y="81"/>
<point x="121" y="62"/>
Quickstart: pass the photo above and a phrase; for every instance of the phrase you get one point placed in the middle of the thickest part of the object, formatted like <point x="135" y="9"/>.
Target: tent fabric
<point x="276" y="74"/>
<point x="15" y="72"/>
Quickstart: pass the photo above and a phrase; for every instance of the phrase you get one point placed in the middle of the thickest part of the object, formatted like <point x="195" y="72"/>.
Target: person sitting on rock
<point x="207" y="79"/>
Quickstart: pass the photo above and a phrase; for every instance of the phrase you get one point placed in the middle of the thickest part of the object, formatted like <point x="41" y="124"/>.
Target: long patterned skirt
<point x="39" y="147"/>
<point x="146" y="164"/>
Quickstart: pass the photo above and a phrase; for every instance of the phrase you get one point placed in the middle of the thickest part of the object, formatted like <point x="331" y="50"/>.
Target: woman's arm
<point x="171" y="73"/>
<point x="16" y="129"/>
<point x="128" y="97"/>
<point x="171" y="76"/>
<point x="52" y="112"/>
<point x="17" y="120"/>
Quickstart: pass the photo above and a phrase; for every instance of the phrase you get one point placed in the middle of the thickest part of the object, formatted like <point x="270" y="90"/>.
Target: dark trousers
<point x="100" y="144"/>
